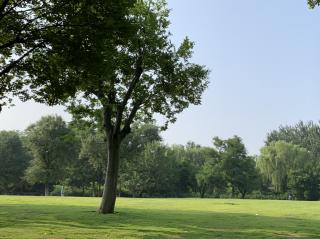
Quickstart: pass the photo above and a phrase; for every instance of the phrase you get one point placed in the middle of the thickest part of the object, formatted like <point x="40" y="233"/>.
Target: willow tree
<point x="121" y="77"/>
<point x="278" y="159"/>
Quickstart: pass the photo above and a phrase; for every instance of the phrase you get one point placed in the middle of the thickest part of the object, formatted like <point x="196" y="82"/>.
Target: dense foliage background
<point x="51" y="154"/>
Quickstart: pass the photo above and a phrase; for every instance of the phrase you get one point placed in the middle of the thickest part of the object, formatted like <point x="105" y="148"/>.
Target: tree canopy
<point x="122" y="77"/>
<point x="34" y="29"/>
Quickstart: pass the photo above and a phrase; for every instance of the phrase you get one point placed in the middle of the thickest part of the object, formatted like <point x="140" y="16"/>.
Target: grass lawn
<point x="69" y="217"/>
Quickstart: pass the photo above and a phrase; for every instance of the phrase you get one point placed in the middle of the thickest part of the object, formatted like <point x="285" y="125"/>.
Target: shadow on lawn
<point x="151" y="223"/>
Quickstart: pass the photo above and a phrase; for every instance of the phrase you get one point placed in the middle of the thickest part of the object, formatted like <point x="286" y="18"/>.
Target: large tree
<point x="123" y="79"/>
<point x="51" y="145"/>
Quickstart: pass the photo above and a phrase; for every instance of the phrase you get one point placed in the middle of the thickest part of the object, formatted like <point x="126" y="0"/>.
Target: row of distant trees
<point x="51" y="153"/>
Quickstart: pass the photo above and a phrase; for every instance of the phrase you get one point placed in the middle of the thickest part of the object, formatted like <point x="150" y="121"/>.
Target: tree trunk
<point x="93" y="191"/>
<point x="110" y="185"/>
<point x="233" y="192"/>
<point x="202" y="191"/>
<point x="46" y="189"/>
<point x="243" y="194"/>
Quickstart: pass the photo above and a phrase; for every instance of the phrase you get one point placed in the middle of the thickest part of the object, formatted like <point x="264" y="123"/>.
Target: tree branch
<point x="9" y="67"/>
<point x="4" y="13"/>
<point x="121" y="108"/>
<point x="3" y="6"/>
<point x="126" y="128"/>
<point x="16" y="40"/>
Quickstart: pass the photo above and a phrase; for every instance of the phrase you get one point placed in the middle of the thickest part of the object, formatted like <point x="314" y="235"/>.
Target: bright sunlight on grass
<point x="69" y="217"/>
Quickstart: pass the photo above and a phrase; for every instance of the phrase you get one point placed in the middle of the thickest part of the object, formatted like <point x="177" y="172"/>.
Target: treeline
<point x="51" y="153"/>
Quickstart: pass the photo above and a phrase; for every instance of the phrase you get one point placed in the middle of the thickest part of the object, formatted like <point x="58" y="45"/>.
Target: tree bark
<point x="46" y="189"/>
<point x="110" y="185"/>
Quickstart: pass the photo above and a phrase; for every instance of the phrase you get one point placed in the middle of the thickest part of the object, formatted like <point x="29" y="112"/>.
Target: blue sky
<point x="264" y="59"/>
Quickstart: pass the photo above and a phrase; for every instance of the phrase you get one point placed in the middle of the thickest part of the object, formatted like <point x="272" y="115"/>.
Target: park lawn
<point x="71" y="217"/>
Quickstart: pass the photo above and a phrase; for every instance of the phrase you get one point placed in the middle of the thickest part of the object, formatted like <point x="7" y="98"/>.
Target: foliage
<point x="210" y="178"/>
<point x="305" y="183"/>
<point x="31" y="29"/>
<point x="153" y="173"/>
<point x="313" y="3"/>
<point x="278" y="159"/>
<point x="239" y="169"/>
<point x="306" y="135"/>
<point x="13" y="160"/>
<point x="303" y="179"/>
<point x="50" y="143"/>
<point x="130" y="157"/>
<point x="19" y="37"/>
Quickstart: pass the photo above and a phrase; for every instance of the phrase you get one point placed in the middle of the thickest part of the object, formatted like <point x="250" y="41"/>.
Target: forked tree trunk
<point x="110" y="185"/>
<point x="46" y="189"/>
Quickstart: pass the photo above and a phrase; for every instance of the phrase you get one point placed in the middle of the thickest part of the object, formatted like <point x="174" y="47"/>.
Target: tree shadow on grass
<point x="62" y="220"/>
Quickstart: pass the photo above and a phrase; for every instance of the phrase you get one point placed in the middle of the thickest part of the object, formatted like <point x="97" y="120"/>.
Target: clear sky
<point x="264" y="58"/>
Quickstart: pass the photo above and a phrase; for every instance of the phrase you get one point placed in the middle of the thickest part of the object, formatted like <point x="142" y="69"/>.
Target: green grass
<point x="57" y="218"/>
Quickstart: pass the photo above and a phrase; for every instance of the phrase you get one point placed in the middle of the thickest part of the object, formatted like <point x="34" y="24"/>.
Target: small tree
<point x="51" y="146"/>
